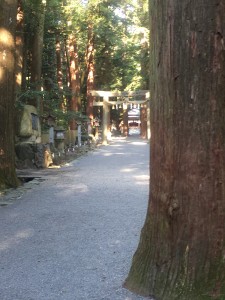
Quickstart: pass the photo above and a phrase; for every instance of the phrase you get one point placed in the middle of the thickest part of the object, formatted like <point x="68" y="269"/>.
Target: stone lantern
<point x="59" y="138"/>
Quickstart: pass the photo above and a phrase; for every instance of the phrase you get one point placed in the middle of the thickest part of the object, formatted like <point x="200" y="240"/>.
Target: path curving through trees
<point x="72" y="236"/>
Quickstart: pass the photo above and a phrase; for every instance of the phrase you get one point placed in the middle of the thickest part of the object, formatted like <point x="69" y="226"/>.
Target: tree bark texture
<point x="19" y="45"/>
<point x="91" y="72"/>
<point x="59" y="63"/>
<point x="125" y="123"/>
<point x="37" y="50"/>
<point x="75" y="104"/>
<point x="143" y="116"/>
<point x="7" y="92"/>
<point x="181" y="254"/>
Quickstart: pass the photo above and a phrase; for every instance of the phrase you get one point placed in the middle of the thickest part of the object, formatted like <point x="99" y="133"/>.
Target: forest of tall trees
<point x="54" y="52"/>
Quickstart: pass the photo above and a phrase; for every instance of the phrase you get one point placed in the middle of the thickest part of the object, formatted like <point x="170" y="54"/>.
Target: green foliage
<point x="119" y="46"/>
<point x="64" y="117"/>
<point x="120" y="57"/>
<point x="24" y="97"/>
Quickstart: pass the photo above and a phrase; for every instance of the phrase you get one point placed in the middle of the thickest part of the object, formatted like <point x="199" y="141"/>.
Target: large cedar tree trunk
<point x="91" y="72"/>
<point x="59" y="63"/>
<point x="7" y="95"/>
<point x="59" y="71"/>
<point x="37" y="50"/>
<point x="19" y="45"/>
<point x="75" y="104"/>
<point x="182" y="246"/>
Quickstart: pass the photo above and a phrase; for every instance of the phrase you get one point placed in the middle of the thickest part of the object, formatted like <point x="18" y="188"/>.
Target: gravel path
<point x="72" y="236"/>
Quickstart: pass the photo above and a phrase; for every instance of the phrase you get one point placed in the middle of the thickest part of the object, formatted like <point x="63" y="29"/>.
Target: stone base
<point x="33" y="156"/>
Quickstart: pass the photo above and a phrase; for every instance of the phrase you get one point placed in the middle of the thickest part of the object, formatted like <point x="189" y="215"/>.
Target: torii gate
<point x="129" y="97"/>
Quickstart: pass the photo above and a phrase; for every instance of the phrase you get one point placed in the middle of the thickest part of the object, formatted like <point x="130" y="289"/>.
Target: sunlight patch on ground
<point x="115" y="145"/>
<point x="119" y="137"/>
<point x="110" y="154"/>
<point x="138" y="143"/>
<point x="142" y="179"/>
<point x="142" y="182"/>
<point x="16" y="239"/>
<point x="128" y="170"/>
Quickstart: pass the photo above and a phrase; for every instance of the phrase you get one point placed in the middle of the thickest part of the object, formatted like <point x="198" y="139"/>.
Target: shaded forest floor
<point x="34" y="176"/>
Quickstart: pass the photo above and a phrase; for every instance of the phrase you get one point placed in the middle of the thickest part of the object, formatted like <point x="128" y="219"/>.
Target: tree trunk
<point x="25" y="63"/>
<point x="19" y="45"/>
<point x="91" y="72"/>
<point x="59" y="70"/>
<point x="7" y="92"/>
<point x="59" y="63"/>
<point x="125" y="123"/>
<point x="181" y="250"/>
<point x="37" y="50"/>
<point x="75" y="104"/>
<point x="68" y="75"/>
<point x="143" y="116"/>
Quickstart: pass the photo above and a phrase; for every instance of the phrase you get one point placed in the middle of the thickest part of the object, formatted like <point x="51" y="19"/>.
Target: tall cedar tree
<point x="36" y="52"/>
<point x="59" y="63"/>
<point x="90" y="71"/>
<point x="182" y="245"/>
<point x="19" y="45"/>
<point x="75" y="104"/>
<point x="8" y="10"/>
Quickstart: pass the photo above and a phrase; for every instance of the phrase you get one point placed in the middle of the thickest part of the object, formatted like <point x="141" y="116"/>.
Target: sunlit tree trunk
<point x="24" y="63"/>
<point x="19" y="45"/>
<point x="59" y="64"/>
<point x="7" y="92"/>
<point x="181" y="250"/>
<point x="75" y="104"/>
<point x="67" y="71"/>
<point x="91" y="71"/>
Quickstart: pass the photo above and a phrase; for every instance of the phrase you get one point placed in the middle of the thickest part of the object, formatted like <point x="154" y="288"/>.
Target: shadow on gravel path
<point x="72" y="236"/>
